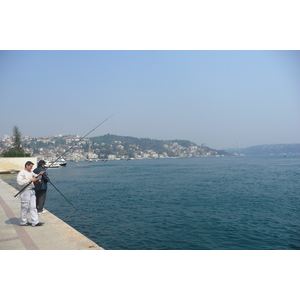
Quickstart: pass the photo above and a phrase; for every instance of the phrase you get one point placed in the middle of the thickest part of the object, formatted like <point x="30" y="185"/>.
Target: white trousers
<point x="28" y="205"/>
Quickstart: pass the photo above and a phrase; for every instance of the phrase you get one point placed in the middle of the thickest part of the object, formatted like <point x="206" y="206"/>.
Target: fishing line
<point x="65" y="153"/>
<point x="67" y="199"/>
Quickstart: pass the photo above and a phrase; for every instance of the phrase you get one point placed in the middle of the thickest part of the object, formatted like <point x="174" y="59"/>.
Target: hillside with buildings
<point x="109" y="147"/>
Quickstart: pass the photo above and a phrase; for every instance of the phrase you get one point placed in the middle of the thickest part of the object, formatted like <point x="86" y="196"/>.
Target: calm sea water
<point x="196" y="203"/>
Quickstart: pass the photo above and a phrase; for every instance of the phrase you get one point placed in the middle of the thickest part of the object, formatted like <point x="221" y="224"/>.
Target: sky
<point x="224" y="99"/>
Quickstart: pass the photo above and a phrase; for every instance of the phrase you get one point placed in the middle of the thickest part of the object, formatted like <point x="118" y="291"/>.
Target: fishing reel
<point x="38" y="181"/>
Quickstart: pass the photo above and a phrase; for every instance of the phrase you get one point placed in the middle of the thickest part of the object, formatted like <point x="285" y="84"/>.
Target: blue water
<point x="192" y="203"/>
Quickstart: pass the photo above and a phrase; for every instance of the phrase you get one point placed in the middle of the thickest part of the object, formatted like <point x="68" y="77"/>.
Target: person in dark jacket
<point x="41" y="187"/>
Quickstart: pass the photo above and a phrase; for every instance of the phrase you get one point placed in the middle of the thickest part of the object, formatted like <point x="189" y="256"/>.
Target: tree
<point x="17" y="139"/>
<point x="16" y="150"/>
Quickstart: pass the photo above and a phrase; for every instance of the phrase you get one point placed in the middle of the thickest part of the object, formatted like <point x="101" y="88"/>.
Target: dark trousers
<point x="40" y="199"/>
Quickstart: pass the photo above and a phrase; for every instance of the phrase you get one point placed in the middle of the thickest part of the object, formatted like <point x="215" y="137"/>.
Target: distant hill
<point x="157" y="145"/>
<point x="112" y="146"/>
<point x="272" y="149"/>
<point x="144" y="143"/>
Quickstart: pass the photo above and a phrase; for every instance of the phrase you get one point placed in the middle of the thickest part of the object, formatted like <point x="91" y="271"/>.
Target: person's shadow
<point x="14" y="221"/>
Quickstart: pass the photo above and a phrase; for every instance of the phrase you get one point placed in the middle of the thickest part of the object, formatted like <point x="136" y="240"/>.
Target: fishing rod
<point x="79" y="141"/>
<point x="65" y="153"/>
<point x="66" y="199"/>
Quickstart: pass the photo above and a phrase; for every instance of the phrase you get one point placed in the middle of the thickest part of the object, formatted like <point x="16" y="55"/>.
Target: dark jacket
<point x="43" y="184"/>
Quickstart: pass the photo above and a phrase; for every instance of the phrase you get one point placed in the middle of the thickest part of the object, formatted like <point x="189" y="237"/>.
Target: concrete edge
<point x="76" y="238"/>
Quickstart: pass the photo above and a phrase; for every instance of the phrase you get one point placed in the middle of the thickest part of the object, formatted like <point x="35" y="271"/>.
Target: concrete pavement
<point x="54" y="235"/>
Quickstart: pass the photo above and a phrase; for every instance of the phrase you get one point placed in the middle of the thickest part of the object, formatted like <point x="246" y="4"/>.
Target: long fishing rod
<point x="65" y="152"/>
<point x="67" y="199"/>
<point x="79" y="141"/>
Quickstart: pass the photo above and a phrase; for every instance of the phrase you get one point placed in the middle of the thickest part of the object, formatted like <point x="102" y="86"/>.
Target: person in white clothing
<point x="28" y="199"/>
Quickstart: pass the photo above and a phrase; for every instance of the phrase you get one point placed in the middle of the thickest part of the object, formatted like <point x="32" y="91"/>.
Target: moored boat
<point x="62" y="162"/>
<point x="52" y="165"/>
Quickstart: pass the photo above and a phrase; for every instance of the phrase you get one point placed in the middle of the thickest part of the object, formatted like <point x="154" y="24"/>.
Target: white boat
<point x="62" y="162"/>
<point x="52" y="165"/>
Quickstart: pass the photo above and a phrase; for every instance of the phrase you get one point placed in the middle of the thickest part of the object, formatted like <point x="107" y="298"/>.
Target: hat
<point x="41" y="162"/>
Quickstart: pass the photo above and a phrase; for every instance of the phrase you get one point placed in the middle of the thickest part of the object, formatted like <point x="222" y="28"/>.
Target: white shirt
<point x="24" y="177"/>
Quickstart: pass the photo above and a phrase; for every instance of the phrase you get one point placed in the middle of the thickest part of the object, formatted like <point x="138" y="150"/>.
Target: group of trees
<point x="16" y="149"/>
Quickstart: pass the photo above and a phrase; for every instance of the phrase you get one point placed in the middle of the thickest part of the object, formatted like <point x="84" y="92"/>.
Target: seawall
<point x="53" y="235"/>
<point x="13" y="164"/>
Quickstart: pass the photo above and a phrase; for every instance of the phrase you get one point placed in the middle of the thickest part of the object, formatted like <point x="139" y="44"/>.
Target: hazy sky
<point x="214" y="97"/>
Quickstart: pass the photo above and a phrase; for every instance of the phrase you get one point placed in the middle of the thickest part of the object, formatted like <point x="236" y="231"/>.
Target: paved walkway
<point x="54" y="235"/>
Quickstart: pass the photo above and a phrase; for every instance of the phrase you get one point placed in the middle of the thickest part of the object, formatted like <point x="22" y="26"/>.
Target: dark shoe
<point x="38" y="224"/>
<point x="27" y="224"/>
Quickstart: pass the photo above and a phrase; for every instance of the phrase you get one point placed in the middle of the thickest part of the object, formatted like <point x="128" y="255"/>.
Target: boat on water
<point x="56" y="163"/>
<point x="52" y="165"/>
<point x="62" y="162"/>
